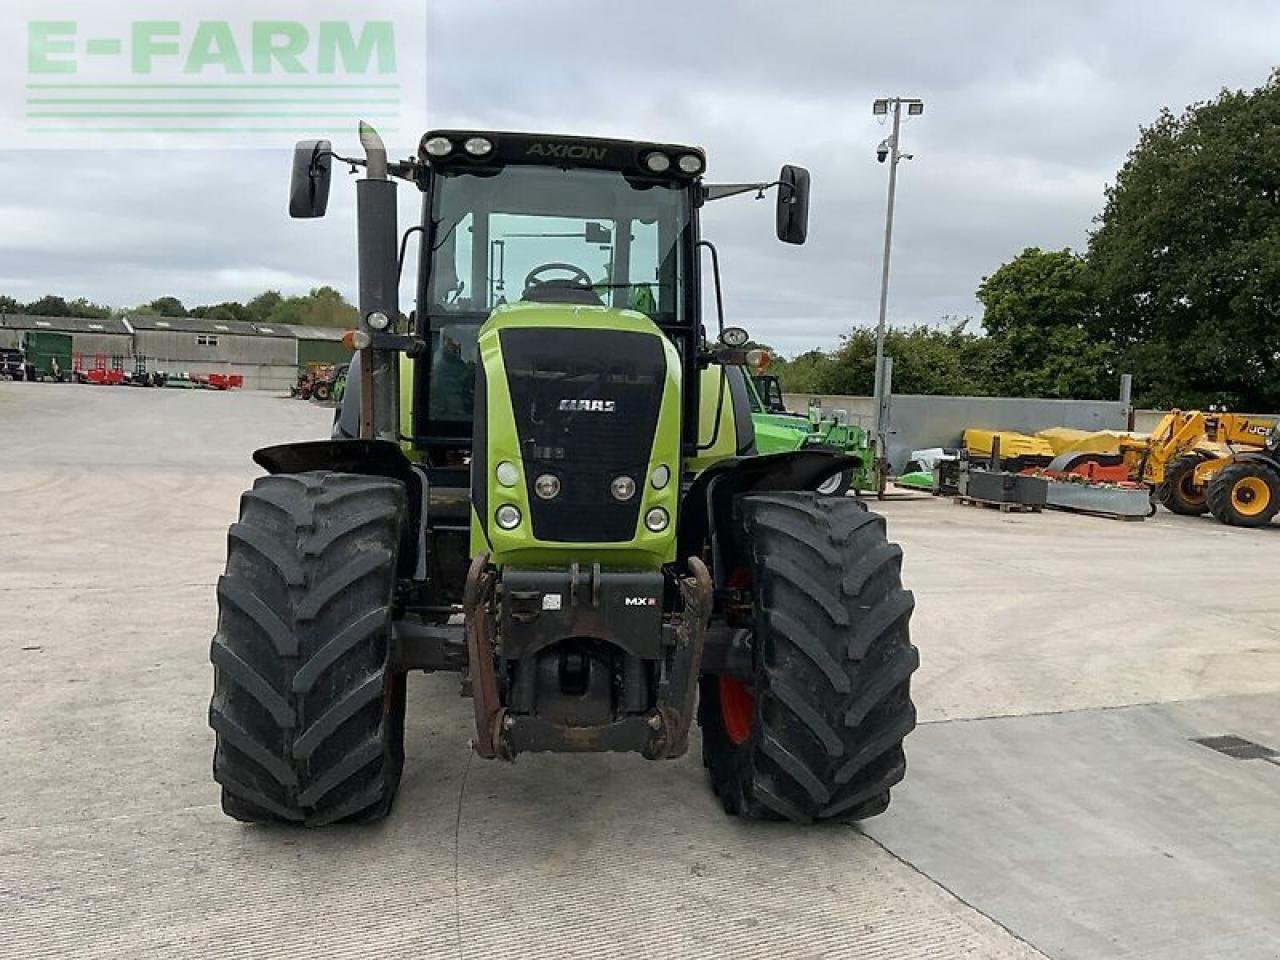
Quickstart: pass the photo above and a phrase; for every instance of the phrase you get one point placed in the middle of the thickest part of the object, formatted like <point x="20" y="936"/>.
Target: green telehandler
<point x="548" y="482"/>
<point x="778" y="430"/>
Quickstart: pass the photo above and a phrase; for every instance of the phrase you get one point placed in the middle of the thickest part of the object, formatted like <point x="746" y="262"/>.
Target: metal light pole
<point x="889" y="151"/>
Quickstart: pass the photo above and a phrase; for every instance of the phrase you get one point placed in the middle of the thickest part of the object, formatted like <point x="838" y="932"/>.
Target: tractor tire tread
<point x="1219" y="493"/>
<point x="309" y="721"/>
<point x="1169" y="491"/>
<point x="833" y="666"/>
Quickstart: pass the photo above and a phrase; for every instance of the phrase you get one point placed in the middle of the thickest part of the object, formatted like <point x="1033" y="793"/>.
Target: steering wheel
<point x="580" y="279"/>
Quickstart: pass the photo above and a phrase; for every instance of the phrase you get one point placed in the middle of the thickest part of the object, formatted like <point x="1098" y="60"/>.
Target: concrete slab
<point x="1035" y="613"/>
<point x="115" y="510"/>
<point x="111" y="842"/>
<point x="1103" y="834"/>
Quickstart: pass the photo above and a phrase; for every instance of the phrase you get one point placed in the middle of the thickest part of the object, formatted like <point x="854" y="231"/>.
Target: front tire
<point x="308" y="716"/>
<point x="1245" y="494"/>
<point x="817" y="732"/>
<point x="1178" y="492"/>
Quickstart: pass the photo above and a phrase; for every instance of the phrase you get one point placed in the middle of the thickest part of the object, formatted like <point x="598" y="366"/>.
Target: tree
<point x="930" y="360"/>
<point x="229" y="310"/>
<point x="81" y="307"/>
<point x="806" y="373"/>
<point x="323" y="307"/>
<point x="262" y="306"/>
<point x="1186" y="254"/>
<point x="162" y="307"/>
<point x="1041" y="318"/>
<point x="49" y="306"/>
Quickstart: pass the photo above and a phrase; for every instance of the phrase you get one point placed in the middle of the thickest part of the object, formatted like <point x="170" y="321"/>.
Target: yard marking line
<point x="457" y="833"/>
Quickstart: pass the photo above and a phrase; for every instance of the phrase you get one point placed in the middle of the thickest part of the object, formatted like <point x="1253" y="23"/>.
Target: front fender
<point x="706" y="517"/>
<point x="1209" y="469"/>
<point x="379" y="458"/>
<point x="373" y="458"/>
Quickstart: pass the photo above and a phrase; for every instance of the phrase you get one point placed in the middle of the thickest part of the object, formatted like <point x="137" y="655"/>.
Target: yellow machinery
<point x="1242" y="489"/>
<point x="1189" y="448"/>
<point x="1069" y="440"/>
<point x="1017" y="450"/>
<point x="1195" y="462"/>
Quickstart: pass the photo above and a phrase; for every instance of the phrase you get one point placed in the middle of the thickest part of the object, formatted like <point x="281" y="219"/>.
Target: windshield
<point x="594" y="236"/>
<point x="498" y="236"/>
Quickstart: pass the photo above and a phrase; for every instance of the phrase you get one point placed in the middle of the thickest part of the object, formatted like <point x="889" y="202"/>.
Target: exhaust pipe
<point x="378" y="232"/>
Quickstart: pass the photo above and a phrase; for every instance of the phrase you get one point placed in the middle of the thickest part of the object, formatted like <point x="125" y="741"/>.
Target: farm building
<point x="89" y="337"/>
<point x="267" y="356"/>
<point x="319" y="345"/>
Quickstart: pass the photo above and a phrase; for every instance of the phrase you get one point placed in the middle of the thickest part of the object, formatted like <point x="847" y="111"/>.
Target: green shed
<point x="320" y="345"/>
<point x="49" y="351"/>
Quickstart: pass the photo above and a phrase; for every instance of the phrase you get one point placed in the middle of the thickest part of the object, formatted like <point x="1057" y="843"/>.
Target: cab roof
<point x="630" y="157"/>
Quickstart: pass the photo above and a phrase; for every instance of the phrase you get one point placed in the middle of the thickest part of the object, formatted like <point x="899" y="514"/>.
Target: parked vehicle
<point x="778" y="430"/>
<point x="553" y="490"/>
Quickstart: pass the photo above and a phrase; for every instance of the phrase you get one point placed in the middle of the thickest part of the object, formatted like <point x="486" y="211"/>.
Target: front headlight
<point x="547" y="486"/>
<point x="657" y="520"/>
<point x="507" y="516"/>
<point x="438" y="147"/>
<point x="508" y="473"/>
<point x="658" y="162"/>
<point x="691" y="163"/>
<point x="622" y="488"/>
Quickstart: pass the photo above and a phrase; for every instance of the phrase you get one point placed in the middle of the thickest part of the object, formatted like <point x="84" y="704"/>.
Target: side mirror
<point x="312" y="173"/>
<point x="793" y="204"/>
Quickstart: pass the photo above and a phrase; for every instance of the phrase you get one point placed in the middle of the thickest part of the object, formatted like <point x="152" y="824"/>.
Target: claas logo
<point x="588" y="406"/>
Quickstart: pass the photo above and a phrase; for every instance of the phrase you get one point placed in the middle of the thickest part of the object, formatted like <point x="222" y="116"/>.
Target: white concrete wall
<point x="861" y="410"/>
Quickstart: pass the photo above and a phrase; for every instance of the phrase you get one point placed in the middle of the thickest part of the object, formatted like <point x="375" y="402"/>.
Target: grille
<point x="586" y="405"/>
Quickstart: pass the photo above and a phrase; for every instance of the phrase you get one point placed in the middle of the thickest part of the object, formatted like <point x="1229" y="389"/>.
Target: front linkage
<point x="661" y="731"/>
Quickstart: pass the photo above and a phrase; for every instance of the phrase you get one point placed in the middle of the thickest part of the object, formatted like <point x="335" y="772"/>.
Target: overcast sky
<point x="1031" y="108"/>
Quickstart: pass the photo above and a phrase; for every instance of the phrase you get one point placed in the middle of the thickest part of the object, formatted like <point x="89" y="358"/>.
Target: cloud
<point x="1031" y="109"/>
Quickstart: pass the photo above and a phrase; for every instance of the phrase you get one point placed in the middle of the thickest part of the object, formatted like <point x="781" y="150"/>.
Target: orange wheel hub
<point x="1187" y="487"/>
<point x="1251" y="496"/>
<point x="737" y="710"/>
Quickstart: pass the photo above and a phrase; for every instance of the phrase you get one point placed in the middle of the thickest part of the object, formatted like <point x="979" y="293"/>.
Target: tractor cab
<point x="573" y="232"/>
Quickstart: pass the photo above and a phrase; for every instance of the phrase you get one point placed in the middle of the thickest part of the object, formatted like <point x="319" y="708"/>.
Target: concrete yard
<point x="1055" y="805"/>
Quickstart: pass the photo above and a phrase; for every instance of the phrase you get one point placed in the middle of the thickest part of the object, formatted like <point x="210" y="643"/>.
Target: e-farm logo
<point x="276" y="70"/>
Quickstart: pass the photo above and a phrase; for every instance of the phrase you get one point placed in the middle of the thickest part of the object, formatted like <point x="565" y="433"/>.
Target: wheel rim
<point x="1250" y="496"/>
<point x="1187" y="489"/>
<point x="831" y="484"/>
<point x="737" y="710"/>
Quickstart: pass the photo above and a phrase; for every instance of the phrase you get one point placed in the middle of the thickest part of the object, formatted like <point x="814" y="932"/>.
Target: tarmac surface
<point x="1055" y="806"/>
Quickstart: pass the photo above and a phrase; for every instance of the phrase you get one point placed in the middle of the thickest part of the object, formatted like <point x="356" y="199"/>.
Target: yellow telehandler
<point x="1188" y="449"/>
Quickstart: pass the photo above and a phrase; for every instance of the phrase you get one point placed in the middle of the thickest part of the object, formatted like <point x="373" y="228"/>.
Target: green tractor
<point x="546" y="479"/>
<point x="780" y="431"/>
